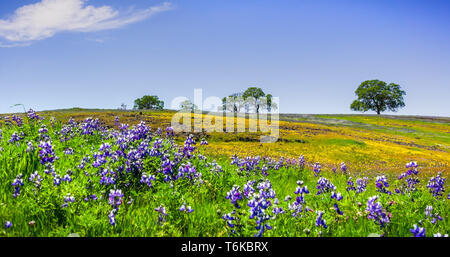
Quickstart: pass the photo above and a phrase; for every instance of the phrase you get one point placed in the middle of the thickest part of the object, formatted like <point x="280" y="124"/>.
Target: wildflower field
<point x="126" y="173"/>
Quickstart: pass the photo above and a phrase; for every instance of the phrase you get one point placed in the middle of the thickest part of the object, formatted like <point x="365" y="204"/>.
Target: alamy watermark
<point x="233" y="114"/>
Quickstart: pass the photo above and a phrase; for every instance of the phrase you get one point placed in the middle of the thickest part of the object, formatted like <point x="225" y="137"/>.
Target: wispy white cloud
<point x="46" y="18"/>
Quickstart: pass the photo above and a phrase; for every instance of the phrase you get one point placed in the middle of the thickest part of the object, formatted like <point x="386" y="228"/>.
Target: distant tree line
<point x="254" y="99"/>
<point x="372" y="95"/>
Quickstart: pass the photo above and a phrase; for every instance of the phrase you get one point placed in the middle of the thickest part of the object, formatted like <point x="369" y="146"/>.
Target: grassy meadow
<point x="367" y="143"/>
<point x="63" y="173"/>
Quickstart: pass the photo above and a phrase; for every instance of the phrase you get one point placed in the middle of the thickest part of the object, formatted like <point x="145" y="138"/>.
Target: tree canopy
<point x="148" y="102"/>
<point x="252" y="98"/>
<point x="378" y="96"/>
<point x="188" y="106"/>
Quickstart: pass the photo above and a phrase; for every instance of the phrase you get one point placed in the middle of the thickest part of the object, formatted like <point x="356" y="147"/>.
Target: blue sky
<point x="311" y="54"/>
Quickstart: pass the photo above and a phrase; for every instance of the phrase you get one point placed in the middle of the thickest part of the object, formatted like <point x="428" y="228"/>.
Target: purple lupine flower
<point x="116" y="121"/>
<point x="234" y="195"/>
<point x="93" y="197"/>
<point x="46" y="152"/>
<point x="264" y="170"/>
<point x="376" y="212"/>
<point x="49" y="169"/>
<point x="248" y="188"/>
<point x="141" y="131"/>
<point x="187" y="171"/>
<point x="412" y="166"/>
<point x="277" y="210"/>
<point x="124" y="128"/>
<point x="168" y="168"/>
<point x="89" y="126"/>
<point x="204" y="142"/>
<point x="130" y="201"/>
<point x="324" y="186"/>
<point x="297" y="206"/>
<point x="319" y="220"/>
<point x="105" y="148"/>
<point x="108" y="177"/>
<point x="162" y="213"/>
<point x="336" y="196"/>
<point x="115" y="198"/>
<point x="428" y="211"/>
<point x="300" y="189"/>
<point x="382" y="184"/>
<point x="189" y="146"/>
<point x="301" y="161"/>
<point x="68" y="151"/>
<point x="72" y="122"/>
<point x="418" y="231"/>
<point x="15" y="138"/>
<point x="17" y="183"/>
<point x="68" y="199"/>
<point x="30" y="147"/>
<point x="112" y="217"/>
<point x="234" y="160"/>
<point x="436" y="185"/>
<point x="343" y="167"/>
<point x="6" y="119"/>
<point x="440" y="235"/>
<point x="249" y="164"/>
<point x="67" y="178"/>
<point x="215" y="168"/>
<point x="412" y="182"/>
<point x="316" y="168"/>
<point x="36" y="179"/>
<point x="147" y="179"/>
<point x="410" y="177"/>
<point x="361" y="184"/>
<point x="279" y="164"/>
<point x="183" y="208"/>
<point x="229" y="218"/>
<point x="43" y="133"/>
<point x="350" y="185"/>
<point x="56" y="180"/>
<point x="430" y="215"/>
<point x="158" y="132"/>
<point x="258" y="203"/>
<point x="83" y="162"/>
<point x="291" y="162"/>
<point x="18" y="120"/>
<point x="338" y="211"/>
<point x="412" y="169"/>
<point x="169" y="132"/>
<point x="8" y="224"/>
<point x="32" y="115"/>
<point x="265" y="188"/>
<point x="66" y="133"/>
